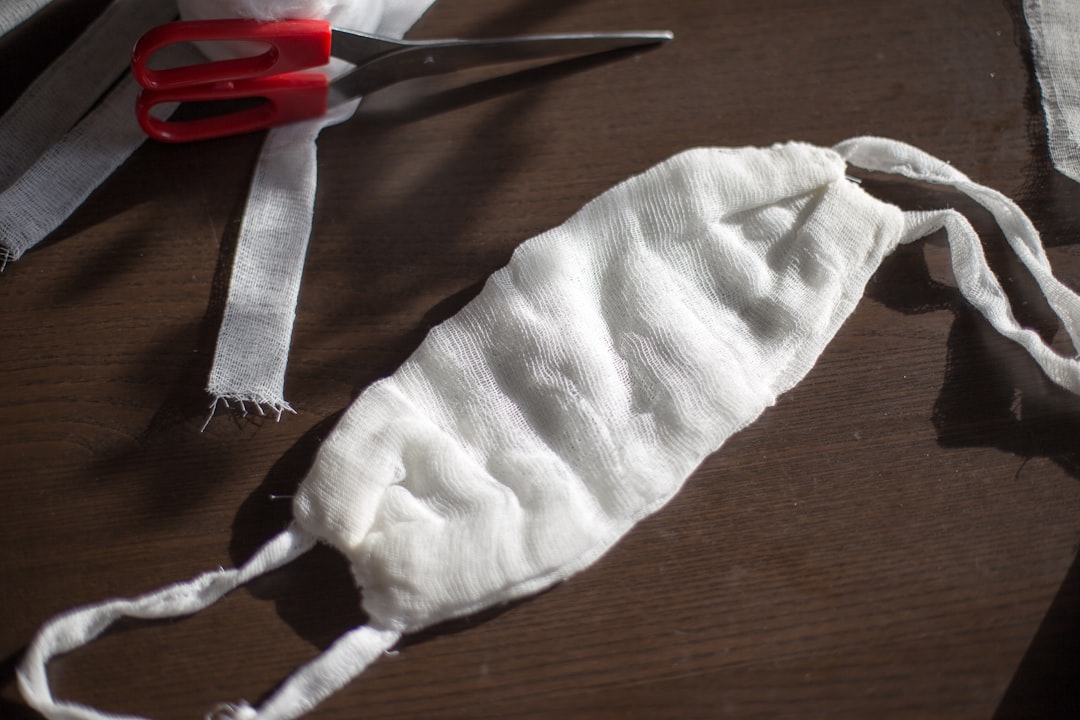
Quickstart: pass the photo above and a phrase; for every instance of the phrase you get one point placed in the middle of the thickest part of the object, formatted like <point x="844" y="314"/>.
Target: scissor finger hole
<point x="205" y="109"/>
<point x="237" y="50"/>
<point x="257" y="59"/>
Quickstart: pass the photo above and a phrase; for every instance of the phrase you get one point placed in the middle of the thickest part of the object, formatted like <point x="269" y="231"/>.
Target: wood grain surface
<point x="896" y="538"/>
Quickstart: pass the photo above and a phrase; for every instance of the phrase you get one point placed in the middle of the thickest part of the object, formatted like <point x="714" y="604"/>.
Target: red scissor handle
<point x="285" y="99"/>
<point x="287" y="96"/>
<point x="291" y="45"/>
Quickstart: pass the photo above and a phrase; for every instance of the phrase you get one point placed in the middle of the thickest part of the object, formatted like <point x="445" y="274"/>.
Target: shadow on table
<point x="1045" y="685"/>
<point x="993" y="393"/>
<point x="318" y="617"/>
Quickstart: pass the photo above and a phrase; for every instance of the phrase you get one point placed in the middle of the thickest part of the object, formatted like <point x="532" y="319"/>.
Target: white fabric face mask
<point x="579" y="390"/>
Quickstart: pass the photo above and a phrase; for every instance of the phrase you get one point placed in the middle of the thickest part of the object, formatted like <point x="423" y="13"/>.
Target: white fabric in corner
<point x="1055" y="40"/>
<point x="15" y="12"/>
<point x="71" y="85"/>
<point x="37" y="203"/>
<point x="48" y="167"/>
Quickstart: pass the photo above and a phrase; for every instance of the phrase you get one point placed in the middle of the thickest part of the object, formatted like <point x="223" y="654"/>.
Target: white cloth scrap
<point x="73" y="83"/>
<point x="47" y="167"/>
<point x="15" y="12"/>
<point x="1055" y="40"/>
<point x="252" y="351"/>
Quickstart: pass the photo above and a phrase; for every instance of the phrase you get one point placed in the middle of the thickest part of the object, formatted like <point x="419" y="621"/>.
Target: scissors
<point x="275" y="75"/>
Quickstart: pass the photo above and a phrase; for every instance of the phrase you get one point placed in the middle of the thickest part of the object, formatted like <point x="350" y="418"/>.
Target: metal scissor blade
<point x="389" y="62"/>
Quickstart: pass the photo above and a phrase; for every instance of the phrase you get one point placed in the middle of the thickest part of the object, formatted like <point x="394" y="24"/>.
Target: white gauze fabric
<point x="578" y="391"/>
<point x="56" y="100"/>
<point x="68" y="132"/>
<point x="15" y="12"/>
<point x="256" y="331"/>
<point x="1055" y="40"/>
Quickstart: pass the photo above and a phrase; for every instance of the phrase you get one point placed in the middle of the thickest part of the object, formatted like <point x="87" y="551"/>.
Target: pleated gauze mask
<point x="577" y="392"/>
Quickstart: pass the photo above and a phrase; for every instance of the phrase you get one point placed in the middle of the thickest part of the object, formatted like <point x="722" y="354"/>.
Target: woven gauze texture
<point x="15" y="12"/>
<point x="591" y="376"/>
<point x="252" y="352"/>
<point x="74" y="125"/>
<point x="1055" y="40"/>
<point x="581" y="388"/>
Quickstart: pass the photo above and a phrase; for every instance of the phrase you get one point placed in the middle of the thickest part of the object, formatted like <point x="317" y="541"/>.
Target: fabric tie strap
<point x="975" y="279"/>
<point x="345" y="659"/>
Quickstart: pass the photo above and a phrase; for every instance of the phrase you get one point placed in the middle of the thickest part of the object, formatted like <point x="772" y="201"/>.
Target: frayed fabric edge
<point x="232" y="711"/>
<point x="239" y="402"/>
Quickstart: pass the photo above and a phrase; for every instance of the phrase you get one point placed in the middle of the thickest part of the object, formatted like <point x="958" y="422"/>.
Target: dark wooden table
<point x="897" y="538"/>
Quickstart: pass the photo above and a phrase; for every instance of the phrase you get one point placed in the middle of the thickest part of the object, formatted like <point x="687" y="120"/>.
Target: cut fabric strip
<point x="71" y="85"/>
<point x="1055" y="40"/>
<point x="253" y="342"/>
<point x="16" y="12"/>
<point x="44" y="179"/>
<point x="579" y="390"/>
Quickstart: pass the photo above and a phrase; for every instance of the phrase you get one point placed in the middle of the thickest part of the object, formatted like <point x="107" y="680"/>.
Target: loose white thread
<point x="232" y="711"/>
<point x="277" y="407"/>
